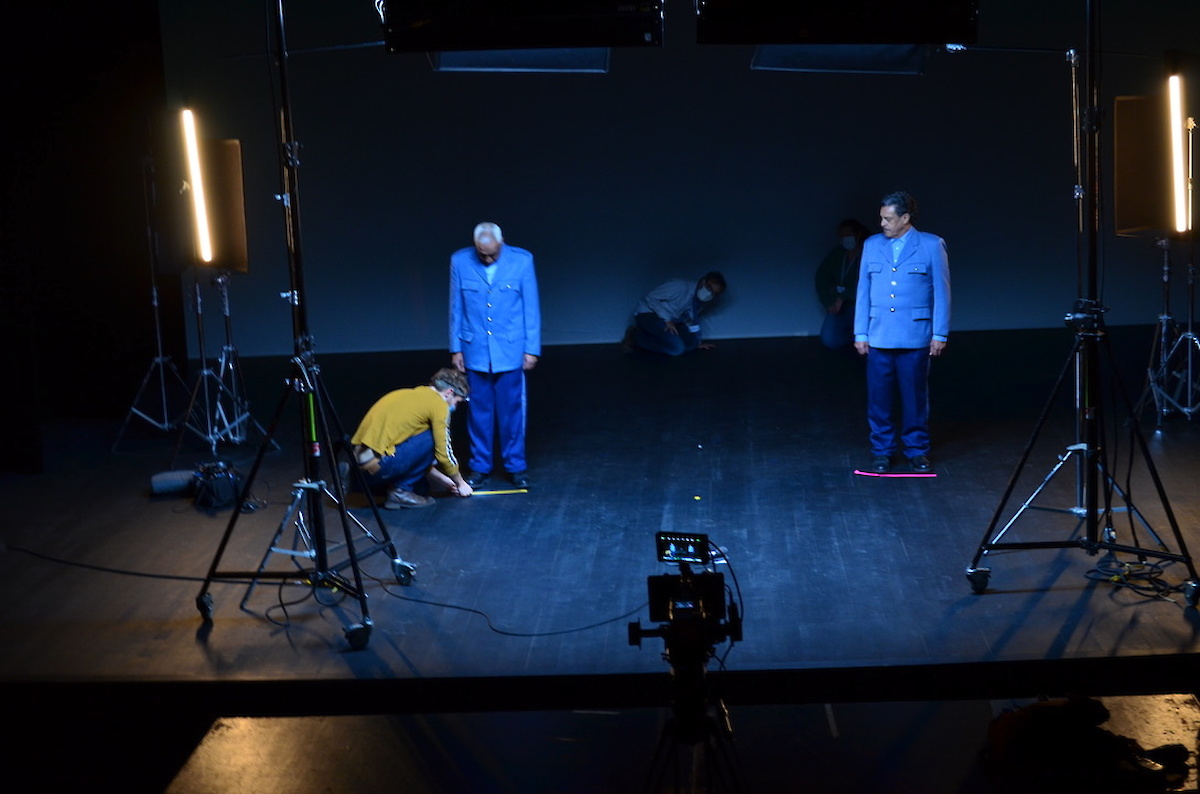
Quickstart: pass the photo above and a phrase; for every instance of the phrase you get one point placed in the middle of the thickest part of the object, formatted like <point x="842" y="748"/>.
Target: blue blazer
<point x="903" y="305"/>
<point x="494" y="325"/>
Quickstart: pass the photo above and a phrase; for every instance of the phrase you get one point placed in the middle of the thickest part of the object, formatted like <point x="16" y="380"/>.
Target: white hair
<point x="488" y="229"/>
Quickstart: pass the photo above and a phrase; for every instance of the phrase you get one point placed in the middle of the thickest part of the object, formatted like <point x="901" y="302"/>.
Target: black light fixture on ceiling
<point x="520" y="35"/>
<point x="843" y="22"/>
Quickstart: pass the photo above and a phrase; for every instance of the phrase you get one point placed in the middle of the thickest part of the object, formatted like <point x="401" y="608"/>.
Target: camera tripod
<point x="695" y="747"/>
<point x="690" y="609"/>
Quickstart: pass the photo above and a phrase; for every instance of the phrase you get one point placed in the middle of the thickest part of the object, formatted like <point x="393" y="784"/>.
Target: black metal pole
<point x="289" y="197"/>
<point x="1089" y="413"/>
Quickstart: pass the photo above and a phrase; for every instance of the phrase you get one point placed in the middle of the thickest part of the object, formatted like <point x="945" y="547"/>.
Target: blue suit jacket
<point x="903" y="305"/>
<point x="494" y="325"/>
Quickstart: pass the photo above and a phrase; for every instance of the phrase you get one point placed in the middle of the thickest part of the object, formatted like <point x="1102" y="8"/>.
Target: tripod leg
<point x="402" y="570"/>
<point x="666" y="754"/>
<point x="357" y="635"/>
<point x="293" y="512"/>
<point x="159" y="365"/>
<point x="204" y="601"/>
<point x="1148" y="459"/>
<point x="187" y="417"/>
<point x="974" y="573"/>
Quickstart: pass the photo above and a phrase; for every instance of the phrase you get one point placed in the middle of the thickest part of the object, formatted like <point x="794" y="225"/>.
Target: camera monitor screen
<point x="677" y="547"/>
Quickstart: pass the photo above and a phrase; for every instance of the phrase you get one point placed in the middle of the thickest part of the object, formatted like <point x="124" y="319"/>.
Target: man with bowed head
<point x="901" y="320"/>
<point x="495" y="338"/>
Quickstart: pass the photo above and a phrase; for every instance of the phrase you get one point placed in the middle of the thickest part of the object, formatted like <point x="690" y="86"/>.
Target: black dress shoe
<point x="520" y="479"/>
<point x="920" y="463"/>
<point x="881" y="465"/>
<point x="476" y="479"/>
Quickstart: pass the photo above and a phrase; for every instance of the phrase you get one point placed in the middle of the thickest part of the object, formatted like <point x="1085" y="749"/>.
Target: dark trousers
<point x="652" y="335"/>
<point x="904" y="373"/>
<point x="406" y="467"/>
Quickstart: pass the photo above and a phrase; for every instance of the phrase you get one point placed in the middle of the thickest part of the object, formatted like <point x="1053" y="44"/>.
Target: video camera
<point x="689" y="606"/>
<point x="691" y="610"/>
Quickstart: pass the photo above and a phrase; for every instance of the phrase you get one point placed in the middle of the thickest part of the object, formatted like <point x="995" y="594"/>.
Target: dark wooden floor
<point x="853" y="587"/>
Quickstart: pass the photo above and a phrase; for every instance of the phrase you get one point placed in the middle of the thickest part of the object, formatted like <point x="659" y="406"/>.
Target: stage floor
<point x="852" y="588"/>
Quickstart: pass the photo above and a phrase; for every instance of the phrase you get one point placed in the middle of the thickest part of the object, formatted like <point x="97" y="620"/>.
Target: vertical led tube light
<point x="196" y="180"/>
<point x="1179" y="165"/>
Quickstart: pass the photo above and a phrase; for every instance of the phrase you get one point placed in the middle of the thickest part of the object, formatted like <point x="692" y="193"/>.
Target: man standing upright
<point x="901" y="319"/>
<point x="495" y="337"/>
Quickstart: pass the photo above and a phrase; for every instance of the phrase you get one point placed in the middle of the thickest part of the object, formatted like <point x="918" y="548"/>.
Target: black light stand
<point x="162" y="368"/>
<point x="316" y="415"/>
<point x="1174" y="381"/>
<point x="1164" y="334"/>
<point x="1087" y="320"/>
<point x="218" y="410"/>
<point x="229" y="369"/>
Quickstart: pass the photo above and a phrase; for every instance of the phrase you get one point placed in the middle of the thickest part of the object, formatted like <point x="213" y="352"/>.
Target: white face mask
<point x="849" y="243"/>
<point x="704" y="295"/>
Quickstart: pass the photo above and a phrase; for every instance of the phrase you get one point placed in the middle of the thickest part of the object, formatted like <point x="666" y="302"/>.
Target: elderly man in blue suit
<point x="495" y="337"/>
<point x="901" y="319"/>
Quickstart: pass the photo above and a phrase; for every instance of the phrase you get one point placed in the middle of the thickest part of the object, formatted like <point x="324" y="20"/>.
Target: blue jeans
<point x="652" y="335"/>
<point x="905" y="372"/>
<point x="406" y="467"/>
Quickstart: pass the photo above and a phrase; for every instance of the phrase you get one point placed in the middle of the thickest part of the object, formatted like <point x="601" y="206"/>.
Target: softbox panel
<point x="225" y="193"/>
<point x="1141" y="166"/>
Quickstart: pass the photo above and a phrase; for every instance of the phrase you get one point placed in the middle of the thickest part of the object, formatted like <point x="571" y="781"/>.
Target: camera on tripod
<point x="693" y="616"/>
<point x="690" y="606"/>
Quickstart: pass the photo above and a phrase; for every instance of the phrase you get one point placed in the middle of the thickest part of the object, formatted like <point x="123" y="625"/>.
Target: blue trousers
<point x="497" y="412"/>
<point x="652" y="335"/>
<point x="906" y="373"/>
<point x="406" y="467"/>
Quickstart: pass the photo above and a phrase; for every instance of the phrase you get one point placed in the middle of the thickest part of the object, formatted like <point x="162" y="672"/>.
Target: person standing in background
<point x="837" y="283"/>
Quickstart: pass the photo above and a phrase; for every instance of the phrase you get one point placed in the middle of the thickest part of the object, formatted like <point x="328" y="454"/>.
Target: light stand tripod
<point x="316" y="417"/>
<point x="1086" y="318"/>
<point x="1175" y="381"/>
<point x="162" y="366"/>
<point x="217" y="410"/>
<point x="1164" y="333"/>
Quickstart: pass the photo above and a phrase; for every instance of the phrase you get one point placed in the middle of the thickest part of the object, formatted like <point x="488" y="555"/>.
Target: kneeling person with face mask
<point x="403" y="443"/>
<point x="667" y="319"/>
